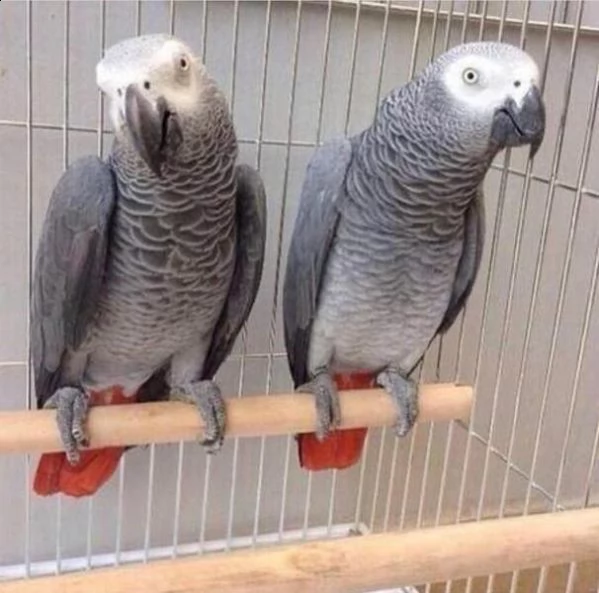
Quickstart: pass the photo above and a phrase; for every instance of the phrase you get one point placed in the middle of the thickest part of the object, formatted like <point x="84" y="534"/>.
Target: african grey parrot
<point x="388" y="237"/>
<point x="149" y="263"/>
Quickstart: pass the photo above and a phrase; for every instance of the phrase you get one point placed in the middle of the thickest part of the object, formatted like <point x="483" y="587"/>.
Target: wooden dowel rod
<point x="354" y="564"/>
<point x="139" y="424"/>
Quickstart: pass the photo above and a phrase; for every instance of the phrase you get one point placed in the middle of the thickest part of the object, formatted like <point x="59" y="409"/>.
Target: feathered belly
<point x="143" y="320"/>
<point x="370" y="317"/>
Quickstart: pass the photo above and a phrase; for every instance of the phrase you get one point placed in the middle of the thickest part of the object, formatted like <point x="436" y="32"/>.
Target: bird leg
<point x="71" y="405"/>
<point x="206" y="396"/>
<point x="405" y="396"/>
<point x="328" y="411"/>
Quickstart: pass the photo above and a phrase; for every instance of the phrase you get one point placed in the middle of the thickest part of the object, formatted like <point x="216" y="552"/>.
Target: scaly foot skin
<point x="405" y="395"/>
<point x="206" y="396"/>
<point x="71" y="405"/>
<point x="328" y="411"/>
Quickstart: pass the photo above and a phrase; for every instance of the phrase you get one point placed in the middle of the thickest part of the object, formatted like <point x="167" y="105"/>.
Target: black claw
<point x="206" y="396"/>
<point x="71" y="405"/>
<point x="328" y="412"/>
<point x="405" y="395"/>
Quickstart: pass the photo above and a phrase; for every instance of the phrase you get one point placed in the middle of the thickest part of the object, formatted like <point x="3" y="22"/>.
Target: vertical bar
<point x="204" y="29"/>
<point x="181" y="444"/>
<point x="65" y="163"/>
<point x="294" y="62"/>
<point x="554" y="334"/>
<point x="137" y="17"/>
<point x="171" y="17"/>
<point x="119" y="520"/>
<point x="382" y="54"/>
<point x="410" y="465"/>
<point x="504" y="333"/>
<point x="435" y="26"/>
<point x="593" y="461"/>
<point x="448" y="26"/>
<point x="501" y="31"/>
<point x="580" y="357"/>
<point x="352" y="72"/>
<point x="414" y="53"/>
<point x="424" y="482"/>
<point x="483" y="21"/>
<point x="100" y="145"/>
<point x="178" y="491"/>
<point x="486" y="307"/>
<point x="543" y="241"/>
<point x="416" y="39"/>
<point x="149" y="503"/>
<point x="204" y="508"/>
<point x="265" y="53"/>
<point x="208" y="458"/>
<point x="235" y="463"/>
<point x="517" y="403"/>
<point x="29" y="190"/>
<point x="465" y="19"/>
<point x="360" y="493"/>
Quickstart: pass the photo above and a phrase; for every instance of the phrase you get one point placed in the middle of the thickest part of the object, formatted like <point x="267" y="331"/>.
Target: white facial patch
<point x="161" y="71"/>
<point x="496" y="78"/>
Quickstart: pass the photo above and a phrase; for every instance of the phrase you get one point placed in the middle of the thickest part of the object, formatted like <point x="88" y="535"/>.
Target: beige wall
<point x="65" y="117"/>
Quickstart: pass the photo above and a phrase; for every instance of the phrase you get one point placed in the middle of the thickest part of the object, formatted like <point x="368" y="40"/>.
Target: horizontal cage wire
<point x="296" y="74"/>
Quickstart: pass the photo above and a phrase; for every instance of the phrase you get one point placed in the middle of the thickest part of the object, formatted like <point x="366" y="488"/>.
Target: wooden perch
<point x="354" y="564"/>
<point x="139" y="424"/>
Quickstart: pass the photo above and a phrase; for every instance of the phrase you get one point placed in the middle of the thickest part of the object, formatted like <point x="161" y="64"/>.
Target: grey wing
<point x="469" y="264"/>
<point x="320" y="204"/>
<point x="250" y="244"/>
<point x="69" y="267"/>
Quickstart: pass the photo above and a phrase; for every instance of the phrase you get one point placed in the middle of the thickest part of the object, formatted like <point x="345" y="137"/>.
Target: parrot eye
<point x="470" y="76"/>
<point x="184" y="63"/>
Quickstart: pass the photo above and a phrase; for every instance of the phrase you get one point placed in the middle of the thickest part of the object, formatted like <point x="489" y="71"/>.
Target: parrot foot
<point x="405" y="395"/>
<point x="328" y="411"/>
<point x="206" y="396"/>
<point x="71" y="405"/>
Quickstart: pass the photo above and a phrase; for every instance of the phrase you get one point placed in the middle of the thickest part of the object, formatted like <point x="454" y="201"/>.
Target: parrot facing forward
<point x="148" y="264"/>
<point x="389" y="233"/>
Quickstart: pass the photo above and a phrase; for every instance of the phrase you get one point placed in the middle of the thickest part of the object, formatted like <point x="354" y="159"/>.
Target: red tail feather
<point x="55" y="474"/>
<point x="342" y="448"/>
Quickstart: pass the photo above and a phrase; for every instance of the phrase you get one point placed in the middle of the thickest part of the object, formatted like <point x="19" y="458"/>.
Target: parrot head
<point x="155" y="87"/>
<point x="491" y="91"/>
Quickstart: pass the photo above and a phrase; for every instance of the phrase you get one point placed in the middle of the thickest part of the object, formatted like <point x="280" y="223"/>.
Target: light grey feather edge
<point x="469" y="264"/>
<point x="250" y="246"/>
<point x="321" y="201"/>
<point x="69" y="267"/>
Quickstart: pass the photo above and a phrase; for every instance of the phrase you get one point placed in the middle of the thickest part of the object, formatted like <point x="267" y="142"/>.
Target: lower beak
<point x="515" y="125"/>
<point x="154" y="129"/>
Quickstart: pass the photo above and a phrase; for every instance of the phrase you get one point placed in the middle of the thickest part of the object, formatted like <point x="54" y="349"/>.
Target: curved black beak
<point x="154" y="129"/>
<point x="515" y="125"/>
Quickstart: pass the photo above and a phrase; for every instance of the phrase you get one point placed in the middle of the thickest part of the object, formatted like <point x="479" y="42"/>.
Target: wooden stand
<point x="140" y="424"/>
<point x="355" y="564"/>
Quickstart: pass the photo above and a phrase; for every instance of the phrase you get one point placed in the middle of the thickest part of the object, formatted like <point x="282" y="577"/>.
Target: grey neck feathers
<point x="410" y="169"/>
<point x="193" y="201"/>
<point x="202" y="167"/>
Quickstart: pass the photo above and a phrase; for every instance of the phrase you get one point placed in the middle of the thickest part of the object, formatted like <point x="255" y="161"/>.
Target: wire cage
<point x="296" y="74"/>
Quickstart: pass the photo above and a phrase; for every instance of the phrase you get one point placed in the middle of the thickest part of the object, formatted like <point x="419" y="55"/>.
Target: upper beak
<point x="154" y="129"/>
<point x="515" y="125"/>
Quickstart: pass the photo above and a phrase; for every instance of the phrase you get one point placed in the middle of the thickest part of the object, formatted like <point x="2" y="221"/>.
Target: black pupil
<point x="470" y="75"/>
<point x="517" y="83"/>
<point x="146" y="85"/>
<point x="183" y="63"/>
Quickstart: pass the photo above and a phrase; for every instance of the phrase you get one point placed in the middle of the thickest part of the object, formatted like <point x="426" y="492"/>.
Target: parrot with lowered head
<point x="149" y="263"/>
<point x="389" y="233"/>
